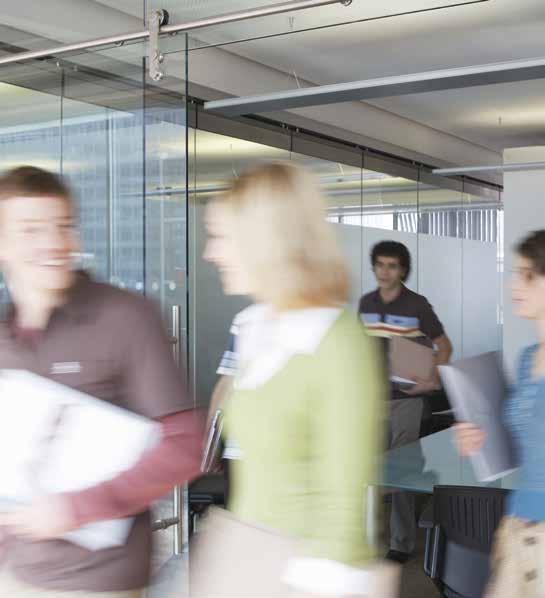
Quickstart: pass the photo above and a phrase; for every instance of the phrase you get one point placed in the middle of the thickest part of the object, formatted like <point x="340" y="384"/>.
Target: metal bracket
<point x="157" y="19"/>
<point x="181" y="515"/>
<point x="161" y="524"/>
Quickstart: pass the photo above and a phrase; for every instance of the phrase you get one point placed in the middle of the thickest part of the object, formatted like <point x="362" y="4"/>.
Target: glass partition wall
<point x="144" y="158"/>
<point x="143" y="163"/>
<point x="451" y="227"/>
<point x="120" y="140"/>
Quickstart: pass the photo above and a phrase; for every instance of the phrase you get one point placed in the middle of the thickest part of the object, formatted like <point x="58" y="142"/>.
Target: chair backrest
<point x="469" y="515"/>
<point x="465" y="520"/>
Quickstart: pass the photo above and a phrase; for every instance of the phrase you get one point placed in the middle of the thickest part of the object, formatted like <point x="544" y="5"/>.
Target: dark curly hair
<point x="395" y="250"/>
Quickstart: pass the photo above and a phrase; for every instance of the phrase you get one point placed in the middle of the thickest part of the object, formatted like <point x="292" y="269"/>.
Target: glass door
<point x="120" y="139"/>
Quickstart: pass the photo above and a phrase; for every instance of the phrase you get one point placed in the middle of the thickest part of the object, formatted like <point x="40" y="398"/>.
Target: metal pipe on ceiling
<point x="243" y="15"/>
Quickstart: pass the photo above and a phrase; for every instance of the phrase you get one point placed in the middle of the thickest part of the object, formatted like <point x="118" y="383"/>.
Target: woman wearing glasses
<point x="518" y="566"/>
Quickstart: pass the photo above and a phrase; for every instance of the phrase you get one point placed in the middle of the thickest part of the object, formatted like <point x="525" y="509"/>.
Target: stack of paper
<point x="56" y="439"/>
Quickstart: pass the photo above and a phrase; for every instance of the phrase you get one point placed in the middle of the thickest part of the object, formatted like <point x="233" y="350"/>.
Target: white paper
<point x="400" y="380"/>
<point x="56" y="439"/>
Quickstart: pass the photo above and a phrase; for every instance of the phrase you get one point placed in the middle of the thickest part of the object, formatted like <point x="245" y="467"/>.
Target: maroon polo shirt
<point x="110" y="344"/>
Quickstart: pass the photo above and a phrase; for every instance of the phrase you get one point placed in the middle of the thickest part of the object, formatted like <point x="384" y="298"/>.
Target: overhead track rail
<point x="159" y="27"/>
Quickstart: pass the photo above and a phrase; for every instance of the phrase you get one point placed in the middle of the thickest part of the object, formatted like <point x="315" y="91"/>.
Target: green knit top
<point x="310" y="437"/>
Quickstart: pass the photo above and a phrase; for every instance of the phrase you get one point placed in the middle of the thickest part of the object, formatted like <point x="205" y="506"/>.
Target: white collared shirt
<point x="268" y="339"/>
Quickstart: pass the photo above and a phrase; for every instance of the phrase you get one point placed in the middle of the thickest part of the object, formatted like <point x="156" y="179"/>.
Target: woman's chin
<point x="521" y="312"/>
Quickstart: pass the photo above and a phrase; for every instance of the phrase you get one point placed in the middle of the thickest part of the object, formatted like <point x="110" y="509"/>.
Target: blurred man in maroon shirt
<point x="102" y="341"/>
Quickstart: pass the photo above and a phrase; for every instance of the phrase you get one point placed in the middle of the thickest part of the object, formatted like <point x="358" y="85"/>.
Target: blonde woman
<point x="306" y="408"/>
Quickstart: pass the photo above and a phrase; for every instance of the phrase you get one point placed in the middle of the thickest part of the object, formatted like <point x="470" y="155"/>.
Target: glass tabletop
<point x="433" y="461"/>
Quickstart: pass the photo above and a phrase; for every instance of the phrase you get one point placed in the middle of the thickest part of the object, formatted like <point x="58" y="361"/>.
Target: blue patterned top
<point x="525" y="418"/>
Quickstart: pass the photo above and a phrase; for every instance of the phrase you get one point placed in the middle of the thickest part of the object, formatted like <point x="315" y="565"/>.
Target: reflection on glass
<point x="217" y="160"/>
<point x="481" y="226"/>
<point x="166" y="208"/>
<point x="451" y="236"/>
<point x="431" y="461"/>
<point x="30" y="136"/>
<point x="341" y="185"/>
<point x="85" y="142"/>
<point x="440" y="267"/>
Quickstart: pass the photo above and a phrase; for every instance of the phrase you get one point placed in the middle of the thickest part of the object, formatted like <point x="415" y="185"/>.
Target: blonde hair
<point x="288" y="249"/>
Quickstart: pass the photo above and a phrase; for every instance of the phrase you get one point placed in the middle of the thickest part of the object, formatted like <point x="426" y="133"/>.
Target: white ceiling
<point x="494" y="116"/>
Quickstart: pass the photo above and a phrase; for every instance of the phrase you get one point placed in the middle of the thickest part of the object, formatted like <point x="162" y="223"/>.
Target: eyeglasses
<point x="525" y="275"/>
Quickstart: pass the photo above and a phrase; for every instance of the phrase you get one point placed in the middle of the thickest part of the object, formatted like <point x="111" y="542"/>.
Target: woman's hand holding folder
<point x="469" y="438"/>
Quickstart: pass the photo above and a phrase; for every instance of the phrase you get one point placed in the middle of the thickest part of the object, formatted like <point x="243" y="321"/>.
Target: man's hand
<point x="46" y="518"/>
<point x="423" y="387"/>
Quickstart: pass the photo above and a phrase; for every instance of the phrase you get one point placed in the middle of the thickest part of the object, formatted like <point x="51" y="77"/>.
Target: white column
<point x="524" y="209"/>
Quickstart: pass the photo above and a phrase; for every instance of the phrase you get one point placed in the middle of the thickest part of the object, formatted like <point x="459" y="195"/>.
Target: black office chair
<point x="208" y="490"/>
<point x="459" y="537"/>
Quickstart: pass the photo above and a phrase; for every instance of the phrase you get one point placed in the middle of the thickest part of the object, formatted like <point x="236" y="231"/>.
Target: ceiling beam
<point x="515" y="167"/>
<point x="397" y="85"/>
